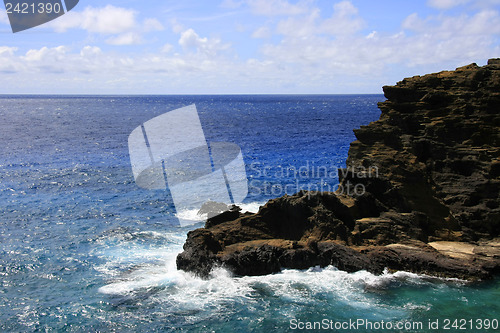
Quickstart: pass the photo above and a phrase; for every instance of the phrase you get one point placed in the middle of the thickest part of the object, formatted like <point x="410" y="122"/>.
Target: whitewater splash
<point x="190" y="216"/>
<point x="142" y="265"/>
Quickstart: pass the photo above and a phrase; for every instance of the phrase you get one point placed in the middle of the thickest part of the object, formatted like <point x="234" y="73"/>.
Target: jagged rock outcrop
<point x="437" y="150"/>
<point x="421" y="192"/>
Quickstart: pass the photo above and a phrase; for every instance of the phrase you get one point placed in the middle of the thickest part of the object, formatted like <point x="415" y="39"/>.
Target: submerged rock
<point x="432" y="204"/>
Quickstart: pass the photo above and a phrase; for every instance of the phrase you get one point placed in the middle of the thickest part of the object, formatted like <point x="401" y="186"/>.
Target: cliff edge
<point x="420" y="192"/>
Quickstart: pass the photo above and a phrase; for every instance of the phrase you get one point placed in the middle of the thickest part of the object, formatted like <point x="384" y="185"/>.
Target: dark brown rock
<point x="438" y="155"/>
<point x="228" y="215"/>
<point x="199" y="252"/>
<point x="431" y="206"/>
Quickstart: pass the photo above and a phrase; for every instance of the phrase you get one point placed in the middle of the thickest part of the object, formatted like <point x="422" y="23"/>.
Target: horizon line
<point x="194" y="94"/>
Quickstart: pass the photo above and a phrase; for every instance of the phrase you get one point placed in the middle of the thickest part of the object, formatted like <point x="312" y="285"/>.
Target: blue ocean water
<point x="83" y="248"/>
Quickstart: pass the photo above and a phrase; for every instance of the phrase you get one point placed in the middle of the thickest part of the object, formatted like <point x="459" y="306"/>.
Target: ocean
<point x="83" y="248"/>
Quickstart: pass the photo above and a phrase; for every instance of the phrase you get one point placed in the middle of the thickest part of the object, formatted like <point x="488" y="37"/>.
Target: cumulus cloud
<point x="91" y="70"/>
<point x="345" y="20"/>
<point x="202" y="55"/>
<point x="45" y="53"/>
<point x="299" y="27"/>
<point x="90" y="51"/>
<point x="484" y="23"/>
<point x="8" y="63"/>
<point x="47" y="60"/>
<point x="443" y="38"/>
<point x="60" y="61"/>
<point x="106" y="20"/>
<point x="5" y="50"/>
<point x="190" y="41"/>
<point x="310" y="51"/>
<point x="338" y="46"/>
<point x="122" y="23"/>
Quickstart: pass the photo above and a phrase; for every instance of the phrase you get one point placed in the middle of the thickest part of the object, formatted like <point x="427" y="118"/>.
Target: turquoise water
<point x="82" y="248"/>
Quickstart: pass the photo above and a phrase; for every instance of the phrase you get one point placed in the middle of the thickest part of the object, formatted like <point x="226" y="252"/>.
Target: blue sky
<point x="245" y="46"/>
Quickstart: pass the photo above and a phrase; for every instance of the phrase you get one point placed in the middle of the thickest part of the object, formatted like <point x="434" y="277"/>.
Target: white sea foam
<point x="185" y="292"/>
<point x="252" y="207"/>
<point x="190" y="216"/>
<point x="132" y="269"/>
<point x="143" y="264"/>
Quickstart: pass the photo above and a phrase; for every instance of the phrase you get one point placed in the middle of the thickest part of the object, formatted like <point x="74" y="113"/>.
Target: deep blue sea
<point x="84" y="249"/>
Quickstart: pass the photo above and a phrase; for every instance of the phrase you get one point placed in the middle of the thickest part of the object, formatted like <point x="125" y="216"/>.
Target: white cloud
<point x="45" y="54"/>
<point x="312" y="44"/>
<point x="106" y="20"/>
<point x="475" y="4"/>
<point x="203" y="56"/>
<point x="46" y="60"/>
<point x="167" y="48"/>
<point x="191" y="41"/>
<point x="277" y="7"/>
<point x="413" y="22"/>
<point x="442" y="39"/>
<point x="300" y="27"/>
<point x="176" y="26"/>
<point x="121" y="23"/>
<point x="484" y="23"/>
<point x="344" y="21"/>
<point x="90" y="51"/>
<point x="128" y="38"/>
<point x="262" y="32"/>
<point x="8" y="62"/>
<point x="152" y="24"/>
<point x="7" y="51"/>
<point x="309" y="52"/>
<point x="446" y="4"/>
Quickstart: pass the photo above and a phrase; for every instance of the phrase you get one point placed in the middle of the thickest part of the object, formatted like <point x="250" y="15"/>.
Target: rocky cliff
<point x="421" y="192"/>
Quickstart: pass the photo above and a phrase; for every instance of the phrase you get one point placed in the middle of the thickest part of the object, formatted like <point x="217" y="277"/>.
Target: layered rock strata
<point x="421" y="193"/>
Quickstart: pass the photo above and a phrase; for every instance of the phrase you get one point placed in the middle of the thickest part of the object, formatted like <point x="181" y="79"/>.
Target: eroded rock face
<point x="436" y="152"/>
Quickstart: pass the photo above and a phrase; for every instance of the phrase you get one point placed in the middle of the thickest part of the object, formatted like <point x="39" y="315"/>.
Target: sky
<point x="245" y="46"/>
